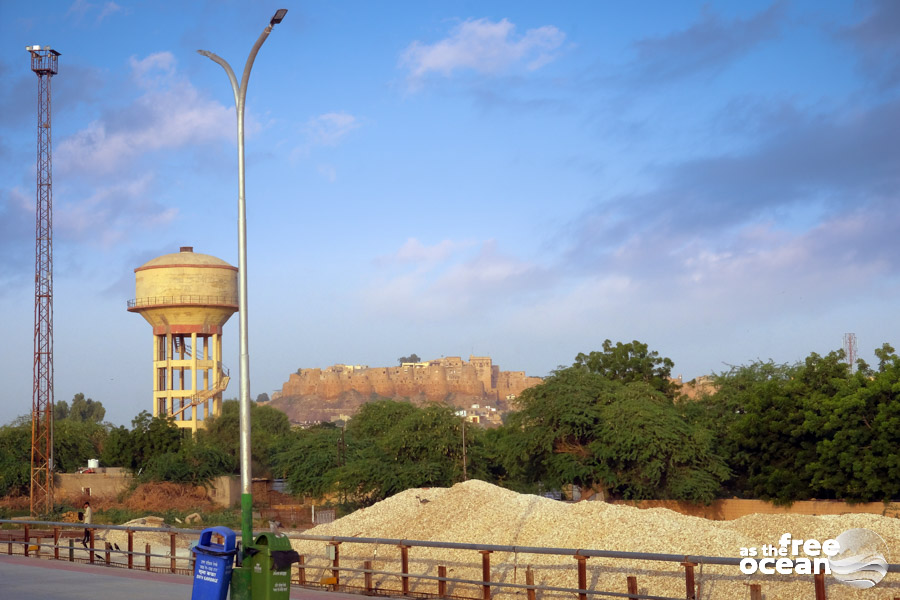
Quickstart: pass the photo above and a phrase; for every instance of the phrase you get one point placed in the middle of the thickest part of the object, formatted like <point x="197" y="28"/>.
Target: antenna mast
<point x="44" y="65"/>
<point x="850" y="350"/>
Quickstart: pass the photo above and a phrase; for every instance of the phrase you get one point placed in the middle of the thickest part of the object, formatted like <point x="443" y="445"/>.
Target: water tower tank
<point x="187" y="298"/>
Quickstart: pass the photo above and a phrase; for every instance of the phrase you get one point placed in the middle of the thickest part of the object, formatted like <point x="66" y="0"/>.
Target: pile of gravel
<point x="480" y="513"/>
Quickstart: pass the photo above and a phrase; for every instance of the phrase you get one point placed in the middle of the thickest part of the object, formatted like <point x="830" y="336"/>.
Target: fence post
<point x="485" y="574"/>
<point x="91" y="547"/>
<point x="755" y="591"/>
<point x="529" y="580"/>
<point x="404" y="569"/>
<point x="56" y="543"/>
<point x="172" y="551"/>
<point x="632" y="586"/>
<point x="820" y="586"/>
<point x="37" y="547"/>
<point x="108" y="548"/>
<point x="27" y="536"/>
<point x="301" y="571"/>
<point x="147" y="556"/>
<point x="690" y="590"/>
<point x="336" y="564"/>
<point x="582" y="576"/>
<point x="367" y="565"/>
<point x="442" y="585"/>
<point x="130" y="549"/>
<point x="71" y="550"/>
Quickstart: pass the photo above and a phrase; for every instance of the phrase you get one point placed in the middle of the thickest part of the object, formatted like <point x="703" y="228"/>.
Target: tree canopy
<point x="15" y="458"/>
<point x="392" y="446"/>
<point x="613" y="421"/>
<point x="267" y="425"/>
<point x="627" y="439"/>
<point x="149" y="437"/>
<point x="82" y="409"/>
<point x="307" y="459"/>
<point x="808" y="430"/>
<point x="629" y="363"/>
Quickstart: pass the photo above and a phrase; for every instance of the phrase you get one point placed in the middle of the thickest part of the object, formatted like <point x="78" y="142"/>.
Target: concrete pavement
<point x="39" y="579"/>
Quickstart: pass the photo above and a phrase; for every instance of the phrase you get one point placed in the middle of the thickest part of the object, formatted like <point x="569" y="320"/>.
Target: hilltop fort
<point x="477" y="387"/>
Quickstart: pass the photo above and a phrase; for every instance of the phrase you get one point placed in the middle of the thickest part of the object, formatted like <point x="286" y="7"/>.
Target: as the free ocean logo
<point x="856" y="557"/>
<point x="861" y="560"/>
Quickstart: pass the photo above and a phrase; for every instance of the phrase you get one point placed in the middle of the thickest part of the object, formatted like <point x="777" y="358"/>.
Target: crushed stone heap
<point x="480" y="513"/>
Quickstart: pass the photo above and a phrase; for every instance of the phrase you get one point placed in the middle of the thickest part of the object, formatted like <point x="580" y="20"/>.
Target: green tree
<point x="262" y="398"/>
<point x="267" y="426"/>
<point x="60" y="410"/>
<point x="194" y="463"/>
<point x="857" y="428"/>
<point x="86" y="409"/>
<point x="768" y="429"/>
<point x="412" y="358"/>
<point x="15" y="458"/>
<point x="149" y="437"/>
<point x="74" y="442"/>
<point x="631" y="362"/>
<point x="756" y="387"/>
<point x="629" y="439"/>
<point x="393" y="446"/>
<point x="308" y="458"/>
<point x="118" y="450"/>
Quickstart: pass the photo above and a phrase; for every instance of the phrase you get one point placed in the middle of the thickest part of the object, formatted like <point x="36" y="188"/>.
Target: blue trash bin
<point x="213" y="564"/>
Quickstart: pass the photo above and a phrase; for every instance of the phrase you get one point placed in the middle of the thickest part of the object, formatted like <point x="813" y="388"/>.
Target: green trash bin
<point x="270" y="567"/>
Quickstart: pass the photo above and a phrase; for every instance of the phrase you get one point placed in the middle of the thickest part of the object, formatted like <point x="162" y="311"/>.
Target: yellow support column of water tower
<point x="187" y="298"/>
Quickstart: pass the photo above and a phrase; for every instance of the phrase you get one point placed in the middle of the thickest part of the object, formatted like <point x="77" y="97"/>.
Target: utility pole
<point x="465" y="466"/>
<point x="44" y="65"/>
<point x="240" y="587"/>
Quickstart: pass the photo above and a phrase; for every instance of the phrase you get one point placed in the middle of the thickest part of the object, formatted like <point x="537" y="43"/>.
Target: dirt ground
<point x="147" y="497"/>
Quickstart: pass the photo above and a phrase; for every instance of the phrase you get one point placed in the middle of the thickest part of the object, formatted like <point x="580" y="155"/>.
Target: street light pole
<point x="240" y="96"/>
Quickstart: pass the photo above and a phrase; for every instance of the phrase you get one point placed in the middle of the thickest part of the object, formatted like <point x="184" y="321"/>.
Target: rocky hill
<point x="477" y="386"/>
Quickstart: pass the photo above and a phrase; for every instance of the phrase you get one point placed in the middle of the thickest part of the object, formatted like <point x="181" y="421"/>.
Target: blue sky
<point x="520" y="180"/>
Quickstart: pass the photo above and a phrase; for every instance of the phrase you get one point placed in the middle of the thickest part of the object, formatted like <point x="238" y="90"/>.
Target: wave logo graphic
<point x="860" y="563"/>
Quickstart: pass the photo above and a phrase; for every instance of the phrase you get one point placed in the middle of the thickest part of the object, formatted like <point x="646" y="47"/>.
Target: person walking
<point x="88" y="514"/>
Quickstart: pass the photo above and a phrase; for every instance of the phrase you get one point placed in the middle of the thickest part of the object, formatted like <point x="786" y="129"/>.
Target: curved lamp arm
<point x="240" y="95"/>
<point x="216" y="58"/>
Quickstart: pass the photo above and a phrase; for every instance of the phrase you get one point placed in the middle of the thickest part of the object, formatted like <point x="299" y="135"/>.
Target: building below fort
<point x="477" y="387"/>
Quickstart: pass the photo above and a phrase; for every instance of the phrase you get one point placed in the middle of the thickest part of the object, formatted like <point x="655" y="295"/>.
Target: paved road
<point x="38" y="579"/>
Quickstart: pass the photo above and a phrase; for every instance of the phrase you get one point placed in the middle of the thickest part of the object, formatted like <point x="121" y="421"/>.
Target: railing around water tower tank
<point x="197" y="300"/>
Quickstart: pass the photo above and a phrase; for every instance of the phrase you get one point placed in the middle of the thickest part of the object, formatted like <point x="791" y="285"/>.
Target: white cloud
<point x="155" y="68"/>
<point x="414" y="251"/>
<point x="80" y="8"/>
<point x="449" y="280"/>
<point x="113" y="212"/>
<point x="109" y="8"/>
<point x="170" y="114"/>
<point x="485" y="47"/>
<point x="328" y="172"/>
<point x="326" y="130"/>
<point x="330" y="128"/>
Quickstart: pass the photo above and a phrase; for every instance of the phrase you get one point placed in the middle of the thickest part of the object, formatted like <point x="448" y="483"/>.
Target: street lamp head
<point x="279" y="15"/>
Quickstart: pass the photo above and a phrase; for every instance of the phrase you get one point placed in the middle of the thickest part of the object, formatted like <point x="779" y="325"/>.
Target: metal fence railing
<point x="183" y="299"/>
<point x="61" y="541"/>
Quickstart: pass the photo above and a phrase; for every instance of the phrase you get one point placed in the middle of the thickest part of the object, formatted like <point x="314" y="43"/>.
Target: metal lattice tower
<point x="850" y="350"/>
<point x="44" y="65"/>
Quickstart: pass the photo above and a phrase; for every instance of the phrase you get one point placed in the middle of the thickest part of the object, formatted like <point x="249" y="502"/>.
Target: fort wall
<point x="341" y="389"/>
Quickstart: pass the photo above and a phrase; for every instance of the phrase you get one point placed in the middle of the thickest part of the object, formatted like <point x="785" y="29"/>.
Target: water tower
<point x="187" y="298"/>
